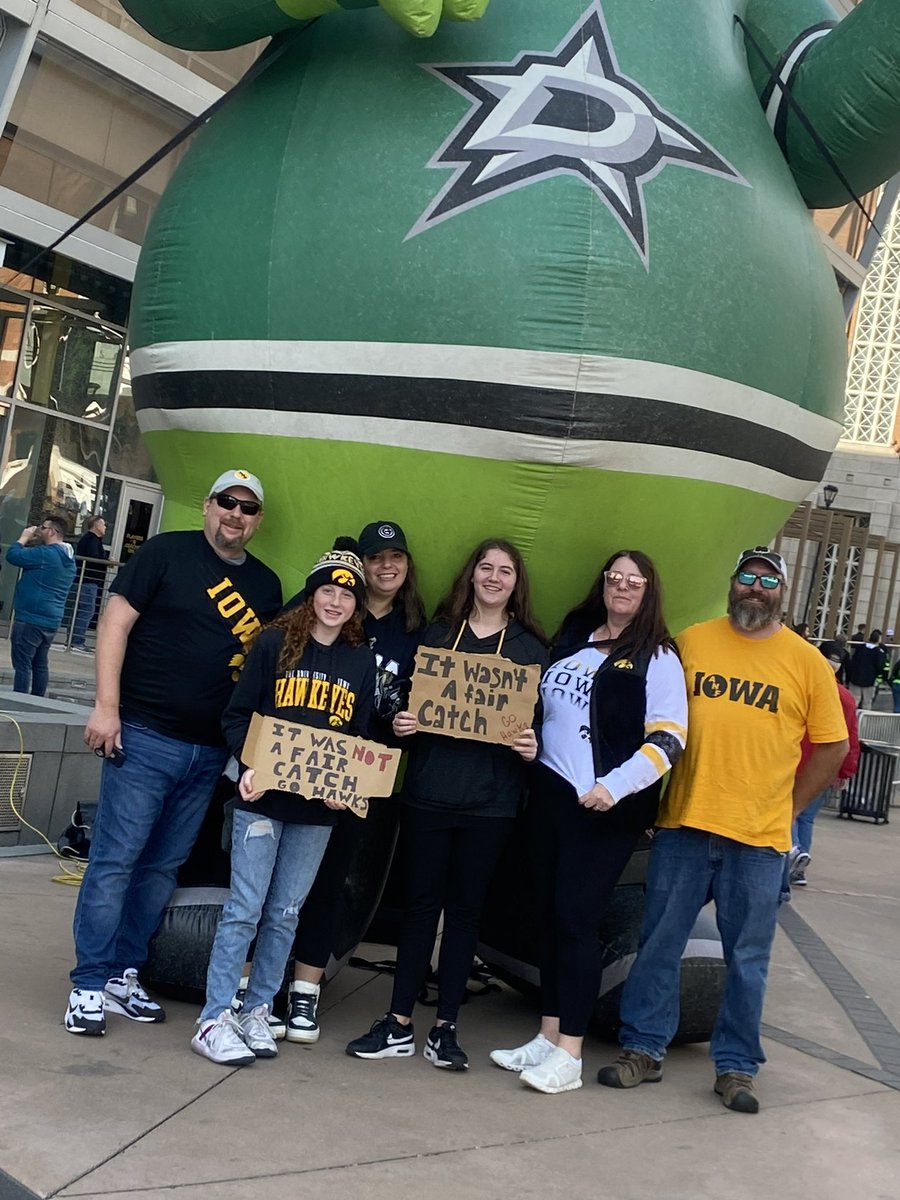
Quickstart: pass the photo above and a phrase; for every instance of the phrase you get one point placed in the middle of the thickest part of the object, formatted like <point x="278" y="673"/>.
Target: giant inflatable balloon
<point x="549" y="273"/>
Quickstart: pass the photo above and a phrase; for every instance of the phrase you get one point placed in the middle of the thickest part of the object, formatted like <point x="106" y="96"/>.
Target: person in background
<point x="895" y="685"/>
<point x="867" y="662"/>
<point x="90" y="545"/>
<point x="614" y="722"/>
<point x="460" y="801"/>
<point x="311" y="666"/>
<point x="802" y="630"/>
<point x="800" y="856"/>
<point x="838" y="645"/>
<point x="48" y="571"/>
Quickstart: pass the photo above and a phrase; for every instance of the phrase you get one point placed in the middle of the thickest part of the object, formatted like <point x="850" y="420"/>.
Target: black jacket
<point x="455" y="773"/>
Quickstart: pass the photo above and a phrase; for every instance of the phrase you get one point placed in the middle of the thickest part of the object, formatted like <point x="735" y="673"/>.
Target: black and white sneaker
<point x="126" y="997"/>
<point x="386" y="1039"/>
<point x="302" y="1021"/>
<point x="443" y="1050"/>
<point x="237" y="1000"/>
<point x="84" y="1013"/>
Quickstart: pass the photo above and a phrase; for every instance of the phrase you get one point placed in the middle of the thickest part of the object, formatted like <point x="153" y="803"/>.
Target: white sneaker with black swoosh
<point x="386" y="1039"/>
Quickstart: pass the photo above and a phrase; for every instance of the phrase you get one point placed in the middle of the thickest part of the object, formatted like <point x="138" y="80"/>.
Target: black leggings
<point x="577" y="861"/>
<point x="314" y="941"/>
<point x="448" y="860"/>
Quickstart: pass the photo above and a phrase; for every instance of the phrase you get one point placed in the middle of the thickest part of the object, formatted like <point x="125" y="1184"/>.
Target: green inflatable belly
<point x="544" y="275"/>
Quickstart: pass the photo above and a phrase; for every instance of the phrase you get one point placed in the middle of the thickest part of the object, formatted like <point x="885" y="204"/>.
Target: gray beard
<point x="750" y="615"/>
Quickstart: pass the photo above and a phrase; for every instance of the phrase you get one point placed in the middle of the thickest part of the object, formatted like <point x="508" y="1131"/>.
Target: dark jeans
<point x="150" y="812"/>
<point x="577" y="862"/>
<point x="29" y="651"/>
<point x="448" y="861"/>
<point x="87" y="602"/>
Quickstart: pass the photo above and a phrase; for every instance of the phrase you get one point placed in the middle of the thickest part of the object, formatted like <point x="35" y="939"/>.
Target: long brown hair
<point x="408" y="596"/>
<point x="647" y="631"/>
<point x="298" y="625"/>
<point x="456" y="606"/>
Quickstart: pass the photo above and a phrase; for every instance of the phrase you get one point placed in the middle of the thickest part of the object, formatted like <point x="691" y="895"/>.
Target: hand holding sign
<point x="340" y="770"/>
<point x="473" y="696"/>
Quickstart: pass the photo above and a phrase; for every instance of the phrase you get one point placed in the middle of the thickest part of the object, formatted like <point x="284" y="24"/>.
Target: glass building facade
<point x="86" y="97"/>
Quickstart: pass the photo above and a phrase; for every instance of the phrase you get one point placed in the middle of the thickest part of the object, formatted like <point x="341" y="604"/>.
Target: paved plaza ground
<point x="136" y="1115"/>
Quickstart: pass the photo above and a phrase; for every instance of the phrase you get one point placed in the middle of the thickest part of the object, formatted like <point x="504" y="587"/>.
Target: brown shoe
<point x="736" y="1090"/>
<point x="630" y="1068"/>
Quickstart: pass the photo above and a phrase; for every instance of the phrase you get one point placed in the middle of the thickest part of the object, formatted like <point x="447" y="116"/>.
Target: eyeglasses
<point x="749" y="578"/>
<point x="250" y="508"/>
<point x="634" y="583"/>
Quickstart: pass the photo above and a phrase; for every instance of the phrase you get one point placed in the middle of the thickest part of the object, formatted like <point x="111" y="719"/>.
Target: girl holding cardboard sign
<point x="460" y="798"/>
<point x="614" y="722"/>
<point x="311" y="666"/>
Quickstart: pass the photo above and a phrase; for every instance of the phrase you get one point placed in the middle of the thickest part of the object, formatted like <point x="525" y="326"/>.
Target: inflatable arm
<point x="845" y="77"/>
<point x="222" y="24"/>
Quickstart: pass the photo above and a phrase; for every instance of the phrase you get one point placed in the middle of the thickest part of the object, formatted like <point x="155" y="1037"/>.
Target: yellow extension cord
<point x="73" y="869"/>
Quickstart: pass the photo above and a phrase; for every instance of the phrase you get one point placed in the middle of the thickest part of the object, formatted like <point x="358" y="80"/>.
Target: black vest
<point x="618" y="712"/>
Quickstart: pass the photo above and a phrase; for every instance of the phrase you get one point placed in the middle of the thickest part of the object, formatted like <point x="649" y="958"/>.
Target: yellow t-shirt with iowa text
<point x="750" y="701"/>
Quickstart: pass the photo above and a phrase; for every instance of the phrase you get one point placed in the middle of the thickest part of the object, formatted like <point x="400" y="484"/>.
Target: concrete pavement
<point x="137" y="1115"/>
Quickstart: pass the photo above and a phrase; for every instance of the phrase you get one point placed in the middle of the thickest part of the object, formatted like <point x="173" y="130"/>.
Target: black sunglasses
<point x="250" y="508"/>
<point x="749" y="578"/>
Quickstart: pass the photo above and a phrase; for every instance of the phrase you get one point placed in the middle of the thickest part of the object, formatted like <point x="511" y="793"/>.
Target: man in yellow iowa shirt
<point x="754" y="689"/>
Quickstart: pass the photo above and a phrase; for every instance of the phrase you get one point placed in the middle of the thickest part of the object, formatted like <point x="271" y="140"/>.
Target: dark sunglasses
<point x="250" y="508"/>
<point x="749" y="578"/>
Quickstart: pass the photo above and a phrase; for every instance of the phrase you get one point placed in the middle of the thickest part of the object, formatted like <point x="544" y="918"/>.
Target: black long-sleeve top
<point x="331" y="687"/>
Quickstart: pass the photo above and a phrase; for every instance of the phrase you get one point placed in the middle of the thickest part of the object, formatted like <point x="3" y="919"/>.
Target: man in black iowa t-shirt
<point x="170" y="647"/>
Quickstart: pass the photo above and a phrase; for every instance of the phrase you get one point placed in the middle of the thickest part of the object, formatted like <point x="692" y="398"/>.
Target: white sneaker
<point x="84" y="1013"/>
<point x="220" y="1040"/>
<point x="532" y="1054"/>
<point x="559" y="1072"/>
<point x="125" y="996"/>
<point x="257" y="1033"/>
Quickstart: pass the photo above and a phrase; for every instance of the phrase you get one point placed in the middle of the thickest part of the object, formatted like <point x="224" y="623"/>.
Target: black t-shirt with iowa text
<point x="186" y="649"/>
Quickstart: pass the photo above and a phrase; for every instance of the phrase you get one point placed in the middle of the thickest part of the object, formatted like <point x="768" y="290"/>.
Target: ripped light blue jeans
<point x="273" y="865"/>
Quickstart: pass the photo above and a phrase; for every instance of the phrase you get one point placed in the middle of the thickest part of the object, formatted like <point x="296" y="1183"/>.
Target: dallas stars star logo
<point x="571" y="112"/>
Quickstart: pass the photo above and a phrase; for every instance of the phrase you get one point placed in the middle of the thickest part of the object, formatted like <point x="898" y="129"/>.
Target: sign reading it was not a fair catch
<point x="317" y="763"/>
<point x="473" y="696"/>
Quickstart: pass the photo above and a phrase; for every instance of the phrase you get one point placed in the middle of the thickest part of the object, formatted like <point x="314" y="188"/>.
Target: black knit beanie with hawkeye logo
<point x="341" y="566"/>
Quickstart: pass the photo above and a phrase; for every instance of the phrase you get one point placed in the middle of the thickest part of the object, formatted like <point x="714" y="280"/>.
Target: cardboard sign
<point x="317" y="763"/>
<point x="486" y="699"/>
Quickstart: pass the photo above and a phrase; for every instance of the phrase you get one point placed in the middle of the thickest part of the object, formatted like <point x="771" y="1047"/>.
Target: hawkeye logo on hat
<point x="386" y="531"/>
<point x="343" y="577"/>
<point x="623" y="664"/>
<point x="242" y="474"/>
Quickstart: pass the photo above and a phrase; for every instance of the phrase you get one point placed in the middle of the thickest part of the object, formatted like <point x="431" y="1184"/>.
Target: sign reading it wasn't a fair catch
<point x="486" y="699"/>
<point x="317" y="763"/>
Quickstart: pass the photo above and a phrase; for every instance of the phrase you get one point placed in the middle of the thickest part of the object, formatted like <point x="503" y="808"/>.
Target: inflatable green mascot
<point x="548" y="274"/>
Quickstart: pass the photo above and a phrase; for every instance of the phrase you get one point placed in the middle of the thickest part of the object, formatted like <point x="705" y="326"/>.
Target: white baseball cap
<point x="238" y="478"/>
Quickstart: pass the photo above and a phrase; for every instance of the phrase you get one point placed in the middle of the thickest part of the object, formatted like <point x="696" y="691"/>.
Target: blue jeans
<point x="273" y="865"/>
<point x="87" y="602"/>
<point x="803" y="825"/>
<point x="29" y="650"/>
<point x="686" y="867"/>
<point x="150" y="812"/>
